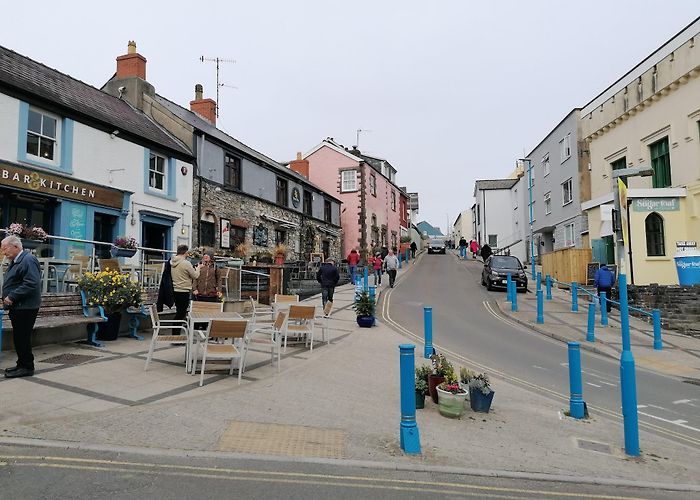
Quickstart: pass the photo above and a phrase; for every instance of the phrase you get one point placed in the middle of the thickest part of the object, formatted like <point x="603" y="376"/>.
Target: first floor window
<point x="327" y="211"/>
<point x="373" y="185"/>
<point x="280" y="237"/>
<point x="156" y="172"/>
<point x="41" y="135"/>
<point x="282" y="197"/>
<point x="232" y="171"/>
<point x="569" y="239"/>
<point x="493" y="240"/>
<point x="348" y="180"/>
<point x="654" y="228"/>
<point x="661" y="163"/>
<point x="567" y="192"/>
<point x="307" y="203"/>
<point x="548" y="202"/>
<point x="393" y="201"/>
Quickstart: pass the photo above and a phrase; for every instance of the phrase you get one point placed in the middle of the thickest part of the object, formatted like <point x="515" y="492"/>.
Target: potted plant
<point x="364" y="308"/>
<point x="480" y="393"/>
<point x="124" y="246"/>
<point x="265" y="257"/>
<point x="194" y="255"/>
<point x="451" y="397"/>
<point x="422" y="374"/>
<point x="465" y="376"/>
<point x="113" y="291"/>
<point x="441" y="370"/>
<point x="32" y="236"/>
<point x="280" y="253"/>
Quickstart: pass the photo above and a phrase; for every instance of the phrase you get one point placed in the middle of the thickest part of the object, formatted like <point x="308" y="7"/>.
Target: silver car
<point x="436" y="246"/>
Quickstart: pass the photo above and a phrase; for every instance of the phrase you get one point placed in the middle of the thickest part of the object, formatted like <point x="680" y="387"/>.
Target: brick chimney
<point x="132" y="64"/>
<point x="300" y="166"/>
<point x="206" y="108"/>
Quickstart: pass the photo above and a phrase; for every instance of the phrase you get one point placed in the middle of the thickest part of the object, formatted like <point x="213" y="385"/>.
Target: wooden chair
<point x="70" y="277"/>
<point x="300" y="321"/>
<point x="286" y="298"/>
<point x="111" y="264"/>
<point x="167" y="325"/>
<point x="275" y="332"/>
<point x="84" y="261"/>
<point x="228" y="332"/>
<point x="256" y="311"/>
<point x="198" y="333"/>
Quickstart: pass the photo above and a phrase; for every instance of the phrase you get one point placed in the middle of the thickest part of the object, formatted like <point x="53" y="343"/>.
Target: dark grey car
<point x="496" y="271"/>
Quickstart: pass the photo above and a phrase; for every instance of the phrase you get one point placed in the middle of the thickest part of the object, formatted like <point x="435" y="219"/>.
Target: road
<point x="464" y="323"/>
<point x="47" y="474"/>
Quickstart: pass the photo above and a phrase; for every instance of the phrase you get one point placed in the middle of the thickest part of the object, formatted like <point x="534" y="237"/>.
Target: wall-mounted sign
<point x="260" y="236"/>
<point x="62" y="187"/>
<point x="296" y="197"/>
<point x="656" y="205"/>
<point x="225" y="233"/>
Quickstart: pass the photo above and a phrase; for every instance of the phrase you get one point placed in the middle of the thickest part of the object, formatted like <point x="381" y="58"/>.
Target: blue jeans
<point x="463" y="252"/>
<point x="352" y="274"/>
<point x="377" y="277"/>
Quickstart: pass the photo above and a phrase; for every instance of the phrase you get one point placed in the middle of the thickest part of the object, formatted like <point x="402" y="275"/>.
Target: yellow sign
<point x="623" y="209"/>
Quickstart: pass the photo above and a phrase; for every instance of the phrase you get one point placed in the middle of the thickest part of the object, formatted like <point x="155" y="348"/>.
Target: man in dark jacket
<point x="328" y="276"/>
<point x="485" y="252"/>
<point x="604" y="281"/>
<point x="21" y="294"/>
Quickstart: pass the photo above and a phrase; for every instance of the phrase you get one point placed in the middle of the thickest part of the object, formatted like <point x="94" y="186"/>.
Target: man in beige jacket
<point x="183" y="275"/>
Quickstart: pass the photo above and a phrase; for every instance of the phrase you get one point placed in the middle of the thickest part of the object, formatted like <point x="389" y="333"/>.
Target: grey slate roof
<point x="36" y="82"/>
<point x="203" y="125"/>
<point x="484" y="185"/>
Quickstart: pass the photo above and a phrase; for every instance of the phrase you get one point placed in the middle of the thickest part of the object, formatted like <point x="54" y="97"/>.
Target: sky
<point x="448" y="91"/>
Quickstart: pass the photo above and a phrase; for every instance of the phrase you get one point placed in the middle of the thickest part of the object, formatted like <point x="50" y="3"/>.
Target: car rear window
<point x="504" y="262"/>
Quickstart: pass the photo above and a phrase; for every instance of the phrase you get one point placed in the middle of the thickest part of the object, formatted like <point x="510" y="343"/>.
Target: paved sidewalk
<point x="340" y="402"/>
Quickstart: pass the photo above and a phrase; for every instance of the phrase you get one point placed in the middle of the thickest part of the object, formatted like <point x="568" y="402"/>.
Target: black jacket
<point x="328" y="274"/>
<point x="166" y="293"/>
<point x="485" y="252"/>
<point x="22" y="282"/>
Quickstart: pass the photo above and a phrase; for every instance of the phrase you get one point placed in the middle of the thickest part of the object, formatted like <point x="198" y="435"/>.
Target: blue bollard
<point x="549" y="287"/>
<point x="540" y="307"/>
<point x="513" y="297"/>
<point x="603" y="309"/>
<point x="656" y="317"/>
<point x="539" y="281"/>
<point x="427" y="332"/>
<point x="410" y="437"/>
<point x="574" y="297"/>
<point x="398" y="257"/>
<point x="372" y="293"/>
<point x="590" y="333"/>
<point x="509" y="286"/>
<point x="408" y="255"/>
<point x="577" y="407"/>
<point x="366" y="277"/>
<point x="628" y="376"/>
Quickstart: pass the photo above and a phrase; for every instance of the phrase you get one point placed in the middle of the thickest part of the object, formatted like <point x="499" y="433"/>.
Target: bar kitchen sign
<point x="656" y="205"/>
<point x="62" y="187"/>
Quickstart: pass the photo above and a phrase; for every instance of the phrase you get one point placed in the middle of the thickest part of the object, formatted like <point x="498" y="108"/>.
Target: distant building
<point x="428" y="230"/>
<point x="462" y="227"/>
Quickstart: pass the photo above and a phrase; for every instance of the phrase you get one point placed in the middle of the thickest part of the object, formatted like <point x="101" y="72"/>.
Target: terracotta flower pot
<point x="433" y="382"/>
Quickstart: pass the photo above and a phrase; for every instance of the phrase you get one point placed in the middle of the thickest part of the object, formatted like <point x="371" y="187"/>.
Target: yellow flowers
<point x="110" y="289"/>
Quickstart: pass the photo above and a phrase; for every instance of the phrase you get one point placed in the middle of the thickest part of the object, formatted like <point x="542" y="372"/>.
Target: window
<point x="569" y="240"/>
<point x="393" y="201"/>
<point x="619" y="164"/>
<point x="545" y="165"/>
<point x="156" y="172"/>
<point x="493" y="240"/>
<point x="654" y="228"/>
<point x="548" y="202"/>
<point x="661" y="163"/>
<point x="307" y="203"/>
<point x="41" y="135"/>
<point x="567" y="192"/>
<point x="372" y="185"/>
<point x="282" y="197"/>
<point x="280" y="237"/>
<point x="232" y="171"/>
<point x="565" y="148"/>
<point x="327" y="215"/>
<point x="478" y="214"/>
<point x="207" y="237"/>
<point x="348" y="181"/>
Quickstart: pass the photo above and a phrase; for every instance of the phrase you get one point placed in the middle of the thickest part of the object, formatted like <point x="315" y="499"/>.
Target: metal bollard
<point x="509" y="284"/>
<point x="574" y="297"/>
<point x="577" y="407"/>
<point x="539" y="281"/>
<point x="549" y="287"/>
<point x="590" y="333"/>
<point x="372" y="293"/>
<point x="398" y="257"/>
<point x="410" y="437"/>
<point x="513" y="297"/>
<point x="540" y="307"/>
<point x="427" y="332"/>
<point x="603" y="309"/>
<point x="655" y="315"/>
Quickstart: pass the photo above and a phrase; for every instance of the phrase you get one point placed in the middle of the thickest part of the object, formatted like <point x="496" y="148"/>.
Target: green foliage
<point x="466" y="375"/>
<point x="110" y="289"/>
<point x="405" y="239"/>
<point x="442" y="367"/>
<point x="422" y="387"/>
<point x="422" y="374"/>
<point x="481" y="382"/>
<point x="364" y="306"/>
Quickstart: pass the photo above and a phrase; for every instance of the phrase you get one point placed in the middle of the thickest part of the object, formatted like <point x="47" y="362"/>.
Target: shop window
<point x="569" y="239"/>
<point x="232" y="172"/>
<point x="654" y="229"/>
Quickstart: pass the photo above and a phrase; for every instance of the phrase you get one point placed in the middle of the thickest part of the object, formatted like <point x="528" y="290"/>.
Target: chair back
<point x="279" y="321"/>
<point x="302" y="313"/>
<point x="227" y="328"/>
<point x="328" y="308"/>
<point x="111" y="264"/>
<point x="198" y="305"/>
<point x="153" y="313"/>
<point x="286" y="298"/>
<point x="84" y="261"/>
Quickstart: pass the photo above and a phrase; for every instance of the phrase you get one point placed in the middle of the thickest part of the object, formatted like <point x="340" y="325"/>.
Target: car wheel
<point x="483" y="283"/>
<point x="489" y="286"/>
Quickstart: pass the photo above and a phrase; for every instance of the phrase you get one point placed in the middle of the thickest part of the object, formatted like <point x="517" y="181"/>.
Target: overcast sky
<point x="450" y="91"/>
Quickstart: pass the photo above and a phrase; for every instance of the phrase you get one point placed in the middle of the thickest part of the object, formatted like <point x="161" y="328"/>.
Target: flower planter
<point x="31" y="244"/>
<point x="122" y="252"/>
<point x="109" y="330"/>
<point x="420" y="400"/>
<point x="279" y="260"/>
<point x="479" y="401"/>
<point x="433" y="382"/>
<point x="451" y="405"/>
<point x="365" y="321"/>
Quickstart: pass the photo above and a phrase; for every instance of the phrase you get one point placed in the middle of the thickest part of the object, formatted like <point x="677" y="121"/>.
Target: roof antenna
<point x="357" y="137"/>
<point x="217" y="60"/>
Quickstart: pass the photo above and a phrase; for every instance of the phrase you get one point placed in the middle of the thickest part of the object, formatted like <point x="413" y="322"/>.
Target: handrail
<point x="607" y="299"/>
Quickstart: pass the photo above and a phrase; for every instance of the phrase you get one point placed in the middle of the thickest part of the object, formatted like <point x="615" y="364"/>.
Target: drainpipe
<point x="199" y="143"/>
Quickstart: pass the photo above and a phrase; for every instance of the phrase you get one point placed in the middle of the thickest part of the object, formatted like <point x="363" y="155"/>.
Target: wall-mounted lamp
<point x="110" y="170"/>
<point x="185" y="229"/>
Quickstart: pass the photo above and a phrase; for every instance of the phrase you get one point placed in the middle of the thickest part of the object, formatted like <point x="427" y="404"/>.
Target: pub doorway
<point x="104" y="227"/>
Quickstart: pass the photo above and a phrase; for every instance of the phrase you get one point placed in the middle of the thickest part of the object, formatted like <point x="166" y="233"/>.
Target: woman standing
<point x="207" y="287"/>
<point x="377" y="266"/>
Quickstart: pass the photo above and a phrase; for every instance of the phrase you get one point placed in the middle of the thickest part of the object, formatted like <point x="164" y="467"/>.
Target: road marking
<point x="594" y="385"/>
<point x="540" y="368"/>
<point x="607" y="383"/>
<point x="686" y="402"/>
<point x="679" y="423"/>
<point x="641" y="406"/>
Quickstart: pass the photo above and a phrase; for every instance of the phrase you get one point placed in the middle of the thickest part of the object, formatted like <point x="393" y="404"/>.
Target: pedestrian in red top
<point x="377" y="266"/>
<point x="474" y="247"/>
<point x="353" y="261"/>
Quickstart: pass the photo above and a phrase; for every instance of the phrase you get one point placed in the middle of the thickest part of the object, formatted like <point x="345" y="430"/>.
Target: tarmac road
<point x="466" y="324"/>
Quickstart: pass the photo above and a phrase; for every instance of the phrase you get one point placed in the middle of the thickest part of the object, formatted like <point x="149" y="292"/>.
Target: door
<point x="103" y="230"/>
<point x="609" y="249"/>
<point x="600" y="251"/>
<point x="155" y="236"/>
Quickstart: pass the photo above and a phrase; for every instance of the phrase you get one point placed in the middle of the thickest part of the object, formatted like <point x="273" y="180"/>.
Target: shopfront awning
<point x="280" y="222"/>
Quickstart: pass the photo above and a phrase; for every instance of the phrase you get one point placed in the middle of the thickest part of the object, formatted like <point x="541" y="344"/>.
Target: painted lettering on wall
<point x="656" y="205"/>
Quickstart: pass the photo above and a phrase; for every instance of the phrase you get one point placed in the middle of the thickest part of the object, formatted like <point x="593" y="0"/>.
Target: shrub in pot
<point x="480" y="393"/>
<point x="451" y="398"/>
<point x="465" y="376"/>
<point x="442" y="369"/>
<point x="364" y="308"/>
<point x="422" y="374"/>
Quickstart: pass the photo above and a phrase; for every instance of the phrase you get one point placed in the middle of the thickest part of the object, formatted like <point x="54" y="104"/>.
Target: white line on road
<point x="674" y="422"/>
<point x="678" y="422"/>
<point x="641" y="406"/>
<point x="607" y="383"/>
<point x="688" y="402"/>
<point x="540" y="367"/>
<point x="594" y="385"/>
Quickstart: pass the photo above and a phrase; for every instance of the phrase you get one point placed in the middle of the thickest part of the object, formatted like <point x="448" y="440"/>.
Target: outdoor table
<point x="204" y="317"/>
<point x="46" y="264"/>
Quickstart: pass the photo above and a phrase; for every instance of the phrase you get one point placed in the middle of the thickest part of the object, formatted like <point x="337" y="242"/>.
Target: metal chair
<point x="275" y="332"/>
<point x="300" y="321"/>
<point x="167" y="324"/>
<point x="228" y="332"/>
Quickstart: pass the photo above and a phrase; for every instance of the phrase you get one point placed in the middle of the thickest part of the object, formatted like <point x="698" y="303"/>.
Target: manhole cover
<point x="593" y="446"/>
<point x="69" y="359"/>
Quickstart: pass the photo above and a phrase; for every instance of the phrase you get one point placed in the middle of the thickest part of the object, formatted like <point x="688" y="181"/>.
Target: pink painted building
<point x="370" y="215"/>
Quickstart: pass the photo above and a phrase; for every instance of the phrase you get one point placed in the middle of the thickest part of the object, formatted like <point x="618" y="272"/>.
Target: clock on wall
<point x="296" y="197"/>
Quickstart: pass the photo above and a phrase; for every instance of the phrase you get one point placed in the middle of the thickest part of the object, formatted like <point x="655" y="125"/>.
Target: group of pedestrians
<point x="473" y="247"/>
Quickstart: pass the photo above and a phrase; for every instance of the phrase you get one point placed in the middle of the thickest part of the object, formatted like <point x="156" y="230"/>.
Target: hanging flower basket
<point x="124" y="247"/>
<point x="31" y="244"/>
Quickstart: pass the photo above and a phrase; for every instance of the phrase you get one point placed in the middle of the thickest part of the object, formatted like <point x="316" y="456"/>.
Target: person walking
<point x="207" y="287"/>
<point x="462" y="248"/>
<point x="377" y="267"/>
<point x="486" y="252"/>
<point x="414" y="248"/>
<point x="474" y="247"/>
<point x="328" y="276"/>
<point x="21" y="295"/>
<point x="604" y="280"/>
<point x="353" y="261"/>
<point x="183" y="275"/>
<point x="391" y="264"/>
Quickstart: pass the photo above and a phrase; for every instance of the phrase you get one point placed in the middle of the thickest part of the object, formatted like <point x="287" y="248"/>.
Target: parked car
<point x="436" y="246"/>
<point x="496" y="271"/>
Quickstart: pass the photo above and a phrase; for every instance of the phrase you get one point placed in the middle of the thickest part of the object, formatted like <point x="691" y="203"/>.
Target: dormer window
<point x="42" y="132"/>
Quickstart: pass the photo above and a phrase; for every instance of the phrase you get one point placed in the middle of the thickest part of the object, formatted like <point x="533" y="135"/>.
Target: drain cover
<point x="69" y="359"/>
<point x="593" y="446"/>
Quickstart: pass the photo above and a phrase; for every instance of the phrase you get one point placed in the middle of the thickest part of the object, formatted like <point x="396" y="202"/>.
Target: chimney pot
<point x="298" y="155"/>
<point x="198" y="92"/>
<point x="206" y="108"/>
<point x="132" y="64"/>
<point x="131" y="47"/>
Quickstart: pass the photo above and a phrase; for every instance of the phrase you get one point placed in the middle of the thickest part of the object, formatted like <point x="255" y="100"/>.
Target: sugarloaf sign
<point x="62" y="187"/>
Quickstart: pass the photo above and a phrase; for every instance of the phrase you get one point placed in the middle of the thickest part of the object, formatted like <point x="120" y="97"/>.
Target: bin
<point x="688" y="266"/>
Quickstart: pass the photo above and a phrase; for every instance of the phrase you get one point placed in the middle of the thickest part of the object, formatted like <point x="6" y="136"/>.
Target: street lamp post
<point x="532" y="239"/>
<point x="628" y="381"/>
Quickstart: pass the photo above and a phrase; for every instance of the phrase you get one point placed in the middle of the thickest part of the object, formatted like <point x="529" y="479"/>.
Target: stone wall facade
<point x="679" y="305"/>
<point x="303" y="234"/>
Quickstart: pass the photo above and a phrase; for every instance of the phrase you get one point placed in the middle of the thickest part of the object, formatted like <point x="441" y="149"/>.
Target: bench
<point x="62" y="309"/>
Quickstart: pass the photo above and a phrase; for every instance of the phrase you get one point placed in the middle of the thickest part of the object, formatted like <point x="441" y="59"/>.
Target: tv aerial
<point x="218" y="61"/>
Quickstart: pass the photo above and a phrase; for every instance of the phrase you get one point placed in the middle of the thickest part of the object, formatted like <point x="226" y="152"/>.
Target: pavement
<point x="339" y="404"/>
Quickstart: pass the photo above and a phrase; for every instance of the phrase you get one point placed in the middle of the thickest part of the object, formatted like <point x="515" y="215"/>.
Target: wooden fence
<point x="567" y="265"/>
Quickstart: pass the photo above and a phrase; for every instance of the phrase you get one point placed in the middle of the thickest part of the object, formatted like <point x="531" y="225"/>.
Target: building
<point x="366" y="185"/>
<point x="648" y="117"/>
<point x="462" y="227"/>
<point x="427" y="230"/>
<point x="85" y="164"/>
<point x="559" y="174"/>
<point x="239" y="195"/>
